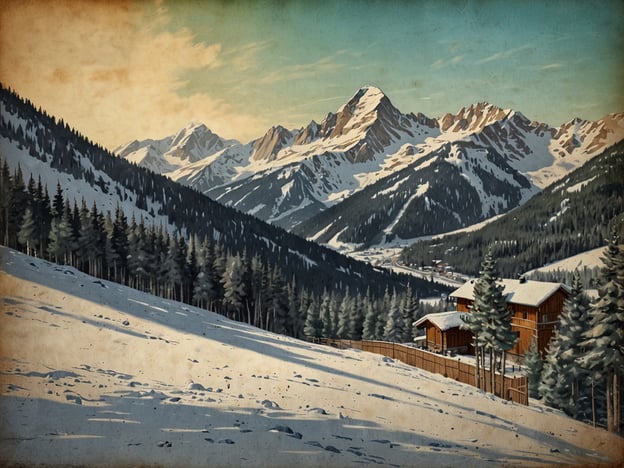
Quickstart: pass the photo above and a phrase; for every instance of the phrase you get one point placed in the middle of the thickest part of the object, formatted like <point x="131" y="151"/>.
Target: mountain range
<point x="369" y="173"/>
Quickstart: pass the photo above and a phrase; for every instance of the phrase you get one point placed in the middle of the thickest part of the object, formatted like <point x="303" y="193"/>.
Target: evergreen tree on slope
<point x="604" y="340"/>
<point x="394" y="326"/>
<point x="313" y="327"/>
<point x="534" y="366"/>
<point x="573" y="324"/>
<point x="488" y="298"/>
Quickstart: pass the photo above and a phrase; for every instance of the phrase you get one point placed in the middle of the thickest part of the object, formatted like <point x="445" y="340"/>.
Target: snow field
<point x="95" y="373"/>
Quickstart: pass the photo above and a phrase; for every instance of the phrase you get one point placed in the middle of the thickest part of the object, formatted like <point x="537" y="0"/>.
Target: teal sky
<point x="242" y="66"/>
<point x="298" y="60"/>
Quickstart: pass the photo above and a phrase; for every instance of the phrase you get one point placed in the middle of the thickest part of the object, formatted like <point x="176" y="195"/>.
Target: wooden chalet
<point x="443" y="332"/>
<point x="535" y="307"/>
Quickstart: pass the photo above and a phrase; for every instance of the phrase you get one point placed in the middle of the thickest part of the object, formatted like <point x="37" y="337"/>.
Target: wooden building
<point x="535" y="308"/>
<point x="443" y="332"/>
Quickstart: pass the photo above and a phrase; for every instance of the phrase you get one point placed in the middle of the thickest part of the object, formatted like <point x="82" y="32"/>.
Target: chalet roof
<point x="523" y="292"/>
<point x="443" y="320"/>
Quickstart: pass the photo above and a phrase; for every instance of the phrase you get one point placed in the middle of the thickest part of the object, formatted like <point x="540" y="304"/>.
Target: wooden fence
<point x="464" y="372"/>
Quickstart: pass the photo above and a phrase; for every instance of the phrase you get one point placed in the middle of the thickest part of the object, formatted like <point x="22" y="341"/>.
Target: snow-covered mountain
<point x="187" y="146"/>
<point x="289" y="176"/>
<point x="451" y="187"/>
<point x="96" y="374"/>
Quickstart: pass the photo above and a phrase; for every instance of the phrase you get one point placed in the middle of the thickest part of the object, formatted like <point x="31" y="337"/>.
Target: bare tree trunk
<point x="618" y="402"/>
<point x="593" y="403"/>
<point x="610" y="422"/>
<point x="504" y="364"/>
<point x="492" y="388"/>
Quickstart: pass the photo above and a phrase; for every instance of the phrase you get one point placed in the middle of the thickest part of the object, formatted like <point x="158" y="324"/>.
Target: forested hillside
<point x="568" y="217"/>
<point x="174" y="242"/>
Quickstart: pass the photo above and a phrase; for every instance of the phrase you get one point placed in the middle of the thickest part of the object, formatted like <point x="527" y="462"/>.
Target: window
<point x="525" y="314"/>
<point x="545" y="318"/>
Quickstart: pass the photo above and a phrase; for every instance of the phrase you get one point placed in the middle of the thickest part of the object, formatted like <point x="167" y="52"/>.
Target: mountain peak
<point x="267" y="147"/>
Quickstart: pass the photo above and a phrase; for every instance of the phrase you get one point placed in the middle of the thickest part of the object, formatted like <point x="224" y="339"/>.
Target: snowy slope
<point x="95" y="373"/>
<point x="590" y="259"/>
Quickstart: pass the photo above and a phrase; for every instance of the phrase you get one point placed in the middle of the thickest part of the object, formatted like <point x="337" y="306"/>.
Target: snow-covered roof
<point x="443" y="320"/>
<point x="526" y="292"/>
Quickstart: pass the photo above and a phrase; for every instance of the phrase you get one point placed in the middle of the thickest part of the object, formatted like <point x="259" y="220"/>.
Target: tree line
<point x="202" y="272"/>
<point x="185" y="210"/>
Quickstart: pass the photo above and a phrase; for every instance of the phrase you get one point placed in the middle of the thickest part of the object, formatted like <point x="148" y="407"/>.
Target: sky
<point x="123" y="70"/>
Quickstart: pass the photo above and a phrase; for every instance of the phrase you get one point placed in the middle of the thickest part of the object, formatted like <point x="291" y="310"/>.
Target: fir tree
<point x="553" y="385"/>
<point x="325" y="314"/>
<point x="382" y="315"/>
<point x="410" y="310"/>
<point x="19" y="201"/>
<point x="233" y="287"/>
<point x="356" y="319"/>
<point x="573" y="397"/>
<point x="28" y="234"/>
<point x="5" y="200"/>
<point x="313" y="327"/>
<point x="293" y="310"/>
<point x="487" y="312"/>
<point x="604" y="341"/>
<point x="343" y="316"/>
<point x="534" y="365"/>
<point x="202" y="284"/>
<point x="370" y="322"/>
<point x="394" y="325"/>
<point x="278" y="302"/>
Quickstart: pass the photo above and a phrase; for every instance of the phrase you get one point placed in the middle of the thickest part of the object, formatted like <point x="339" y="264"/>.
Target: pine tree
<point x="233" y="286"/>
<point x="325" y="314"/>
<point x="573" y="397"/>
<point x="313" y="327"/>
<point x="202" y="285"/>
<point x="294" y="320"/>
<point x="604" y="341"/>
<point x="28" y="234"/>
<point x="356" y="319"/>
<point x="534" y="365"/>
<point x="343" y="315"/>
<point x="202" y="289"/>
<point x="278" y="302"/>
<point x="19" y="201"/>
<point x="553" y="385"/>
<point x="172" y="268"/>
<point x="137" y="259"/>
<point x="410" y="310"/>
<point x="394" y="325"/>
<point x="59" y="201"/>
<point x="62" y="243"/>
<point x="485" y="317"/>
<point x="119" y="243"/>
<point x="382" y="315"/>
<point x="370" y="320"/>
<point x="5" y="200"/>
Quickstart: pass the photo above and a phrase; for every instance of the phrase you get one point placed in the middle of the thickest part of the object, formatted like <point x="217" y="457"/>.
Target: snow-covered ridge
<point x="366" y="140"/>
<point x="95" y="373"/>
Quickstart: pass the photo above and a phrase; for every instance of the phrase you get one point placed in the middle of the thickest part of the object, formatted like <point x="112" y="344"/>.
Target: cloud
<point x="304" y="70"/>
<point x="504" y="54"/>
<point x="111" y="69"/>
<point x="441" y="63"/>
<point x="244" y="57"/>
<point x="552" y="66"/>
